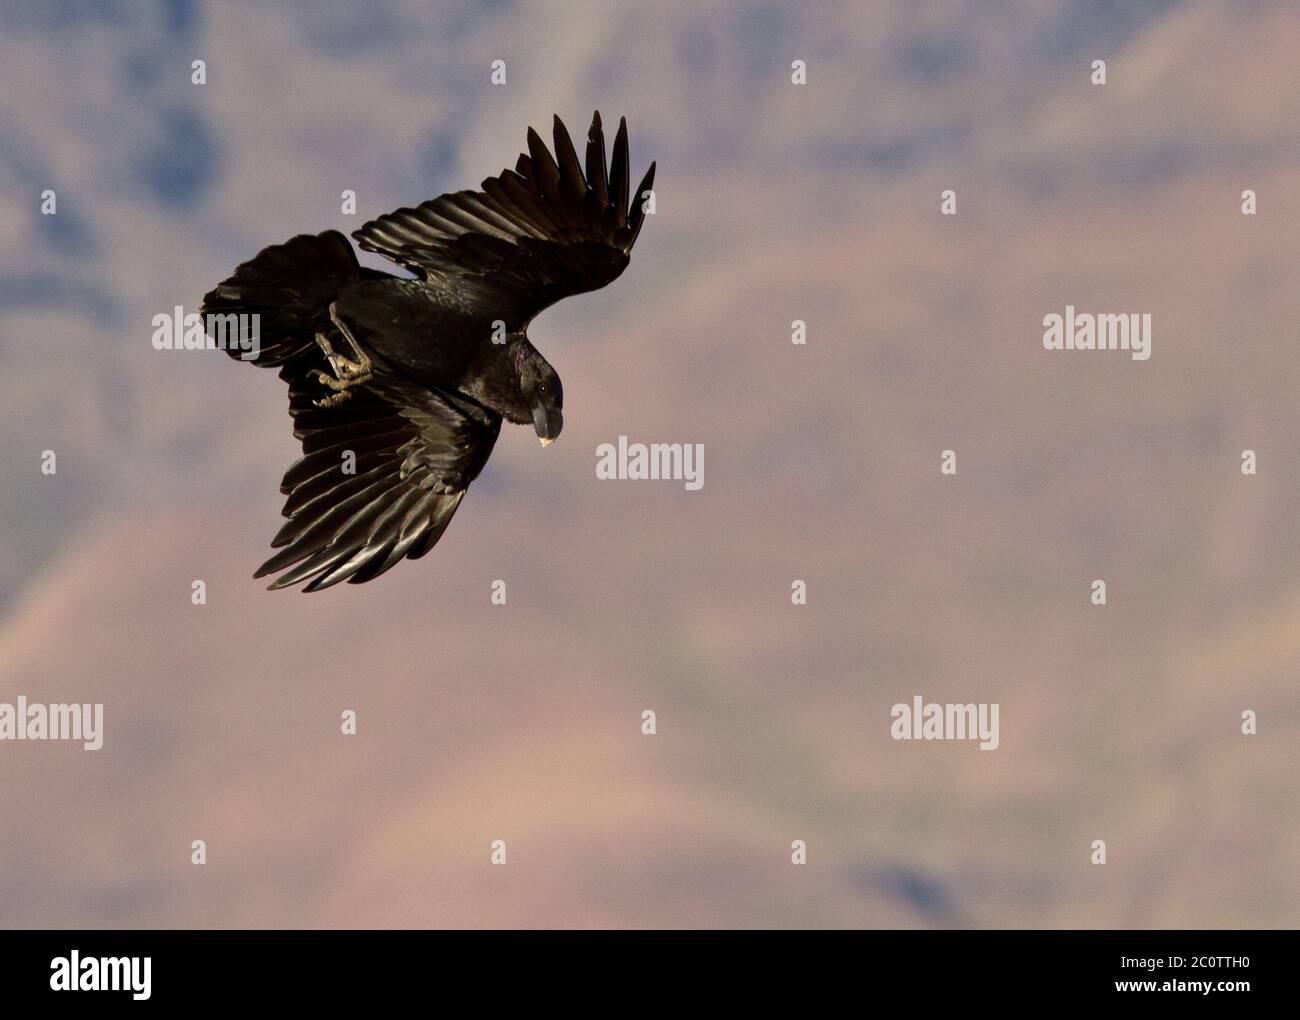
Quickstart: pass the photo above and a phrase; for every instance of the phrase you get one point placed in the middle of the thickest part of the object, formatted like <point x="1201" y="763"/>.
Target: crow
<point x="397" y="386"/>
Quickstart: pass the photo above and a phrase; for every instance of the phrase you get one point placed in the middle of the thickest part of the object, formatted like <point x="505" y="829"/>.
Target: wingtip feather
<point x="619" y="174"/>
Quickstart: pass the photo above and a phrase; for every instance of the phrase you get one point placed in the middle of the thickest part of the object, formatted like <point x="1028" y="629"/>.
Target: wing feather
<point x="532" y="235"/>
<point x="416" y="452"/>
<point x="618" y="175"/>
<point x="597" y="172"/>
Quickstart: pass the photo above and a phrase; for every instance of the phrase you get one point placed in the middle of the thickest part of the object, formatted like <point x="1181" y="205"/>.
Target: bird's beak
<point x="547" y="424"/>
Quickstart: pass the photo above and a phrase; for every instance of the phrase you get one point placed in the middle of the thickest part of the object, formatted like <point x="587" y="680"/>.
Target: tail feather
<point x="289" y="288"/>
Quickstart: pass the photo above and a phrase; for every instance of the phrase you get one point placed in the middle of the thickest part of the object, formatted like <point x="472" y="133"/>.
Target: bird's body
<point x="394" y="321"/>
<point x="398" y="387"/>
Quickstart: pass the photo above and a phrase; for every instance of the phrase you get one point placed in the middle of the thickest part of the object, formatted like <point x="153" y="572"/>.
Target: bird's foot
<point x="348" y="374"/>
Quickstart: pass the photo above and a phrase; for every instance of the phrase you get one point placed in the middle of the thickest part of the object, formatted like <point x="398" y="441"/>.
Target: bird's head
<point x="544" y="395"/>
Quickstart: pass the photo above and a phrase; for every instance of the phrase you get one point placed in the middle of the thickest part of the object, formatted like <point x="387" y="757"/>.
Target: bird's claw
<point x="348" y="374"/>
<point x="334" y="399"/>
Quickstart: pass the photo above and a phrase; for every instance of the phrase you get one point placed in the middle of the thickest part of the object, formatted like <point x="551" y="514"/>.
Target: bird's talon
<point x="334" y="399"/>
<point x="347" y="373"/>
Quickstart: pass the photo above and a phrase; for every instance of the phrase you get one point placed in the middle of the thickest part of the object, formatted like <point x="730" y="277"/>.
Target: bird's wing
<point x="533" y="235"/>
<point x="416" y="451"/>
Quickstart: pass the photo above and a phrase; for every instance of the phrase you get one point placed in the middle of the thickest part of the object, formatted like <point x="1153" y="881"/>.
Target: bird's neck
<point x="492" y="377"/>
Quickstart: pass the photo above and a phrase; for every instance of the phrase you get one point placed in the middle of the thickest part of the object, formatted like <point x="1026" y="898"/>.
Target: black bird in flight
<point x="413" y="377"/>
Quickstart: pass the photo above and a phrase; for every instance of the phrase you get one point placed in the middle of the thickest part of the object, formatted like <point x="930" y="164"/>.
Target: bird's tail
<point x="289" y="288"/>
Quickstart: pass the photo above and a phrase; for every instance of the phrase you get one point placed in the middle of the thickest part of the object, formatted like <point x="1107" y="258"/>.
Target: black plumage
<point x="440" y="360"/>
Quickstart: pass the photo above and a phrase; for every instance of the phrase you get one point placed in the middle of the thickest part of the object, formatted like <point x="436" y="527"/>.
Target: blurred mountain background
<point x="522" y="722"/>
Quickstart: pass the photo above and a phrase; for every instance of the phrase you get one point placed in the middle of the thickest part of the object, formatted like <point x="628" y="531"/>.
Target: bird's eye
<point x="543" y="388"/>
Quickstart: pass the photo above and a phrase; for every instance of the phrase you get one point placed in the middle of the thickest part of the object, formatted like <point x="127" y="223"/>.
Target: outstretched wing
<point x="532" y="236"/>
<point x="416" y="451"/>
